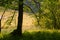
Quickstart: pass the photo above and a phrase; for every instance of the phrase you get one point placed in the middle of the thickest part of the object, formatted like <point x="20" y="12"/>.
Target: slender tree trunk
<point x="18" y="31"/>
<point x="20" y="20"/>
<point x="2" y="17"/>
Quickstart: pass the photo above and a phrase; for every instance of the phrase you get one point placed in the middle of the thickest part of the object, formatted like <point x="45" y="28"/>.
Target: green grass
<point x="40" y="35"/>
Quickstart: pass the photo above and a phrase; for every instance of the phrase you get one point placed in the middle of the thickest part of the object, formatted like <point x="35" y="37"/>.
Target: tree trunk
<point x="20" y="20"/>
<point x="0" y="25"/>
<point x="18" y="31"/>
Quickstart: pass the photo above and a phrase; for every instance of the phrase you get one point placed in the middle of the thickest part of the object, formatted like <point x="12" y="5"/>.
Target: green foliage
<point x="52" y="6"/>
<point x="11" y="4"/>
<point x="49" y="12"/>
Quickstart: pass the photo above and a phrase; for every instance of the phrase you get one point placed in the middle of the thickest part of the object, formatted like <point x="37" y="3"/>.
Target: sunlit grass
<point x="28" y="23"/>
<point x="6" y="28"/>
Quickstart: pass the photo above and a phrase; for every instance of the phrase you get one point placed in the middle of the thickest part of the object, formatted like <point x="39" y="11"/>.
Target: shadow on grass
<point x="34" y="36"/>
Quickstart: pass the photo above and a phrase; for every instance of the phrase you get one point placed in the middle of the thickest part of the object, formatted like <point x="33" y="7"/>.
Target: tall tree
<point x="20" y="18"/>
<point x="18" y="31"/>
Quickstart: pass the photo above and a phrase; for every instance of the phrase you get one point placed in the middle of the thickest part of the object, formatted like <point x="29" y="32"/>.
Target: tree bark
<point x="18" y="31"/>
<point x="20" y="18"/>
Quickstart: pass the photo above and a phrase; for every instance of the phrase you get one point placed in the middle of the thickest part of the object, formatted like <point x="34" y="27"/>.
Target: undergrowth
<point x="33" y="36"/>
